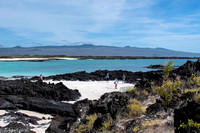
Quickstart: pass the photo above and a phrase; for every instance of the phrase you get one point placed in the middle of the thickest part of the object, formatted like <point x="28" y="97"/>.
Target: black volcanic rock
<point x="156" y="66"/>
<point x="60" y="124"/>
<point x="186" y="70"/>
<point x="36" y="104"/>
<point x="113" y="103"/>
<point x="190" y="112"/>
<point x="15" y="127"/>
<point x="18" y="122"/>
<point x="142" y="78"/>
<point x="38" y="89"/>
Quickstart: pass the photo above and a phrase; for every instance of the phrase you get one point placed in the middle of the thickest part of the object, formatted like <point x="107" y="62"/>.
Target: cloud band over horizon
<point x="141" y="23"/>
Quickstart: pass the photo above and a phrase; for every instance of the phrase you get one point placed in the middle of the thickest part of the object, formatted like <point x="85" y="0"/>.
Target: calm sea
<point x="53" y="67"/>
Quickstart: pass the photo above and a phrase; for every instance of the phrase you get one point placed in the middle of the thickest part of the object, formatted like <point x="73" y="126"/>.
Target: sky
<point x="171" y="24"/>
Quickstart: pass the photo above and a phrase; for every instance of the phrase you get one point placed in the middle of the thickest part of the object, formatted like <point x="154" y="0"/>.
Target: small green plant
<point x="194" y="80"/>
<point x="197" y="97"/>
<point x="89" y="125"/>
<point x="145" y="92"/>
<point x="135" y="108"/>
<point x="190" y="124"/>
<point x="168" y="67"/>
<point x="91" y="119"/>
<point x="81" y="128"/>
<point x="136" y="128"/>
<point x="190" y="90"/>
<point x="137" y="93"/>
<point x="106" y="125"/>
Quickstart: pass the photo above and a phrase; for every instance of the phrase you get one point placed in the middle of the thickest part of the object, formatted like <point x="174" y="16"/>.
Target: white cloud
<point x="101" y="22"/>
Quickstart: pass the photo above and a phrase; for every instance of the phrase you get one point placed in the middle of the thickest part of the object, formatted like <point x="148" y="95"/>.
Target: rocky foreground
<point x="139" y="110"/>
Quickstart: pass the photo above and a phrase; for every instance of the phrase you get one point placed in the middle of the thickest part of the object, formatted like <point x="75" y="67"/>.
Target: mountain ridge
<point x="95" y="50"/>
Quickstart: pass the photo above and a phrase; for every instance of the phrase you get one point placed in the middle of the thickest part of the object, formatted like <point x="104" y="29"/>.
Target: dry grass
<point x="135" y="108"/>
<point x="89" y="125"/>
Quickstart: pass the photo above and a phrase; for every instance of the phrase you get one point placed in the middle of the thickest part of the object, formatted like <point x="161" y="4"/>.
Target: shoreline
<point x="35" y="59"/>
<point x="48" y="58"/>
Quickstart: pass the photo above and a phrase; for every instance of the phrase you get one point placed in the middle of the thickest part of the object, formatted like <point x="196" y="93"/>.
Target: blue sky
<point x="172" y="24"/>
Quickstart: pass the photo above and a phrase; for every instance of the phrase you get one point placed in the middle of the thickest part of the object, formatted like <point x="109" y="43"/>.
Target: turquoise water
<point x="53" y="67"/>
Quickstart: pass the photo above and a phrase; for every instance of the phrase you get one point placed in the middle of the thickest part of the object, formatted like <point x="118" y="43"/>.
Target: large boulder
<point x="36" y="104"/>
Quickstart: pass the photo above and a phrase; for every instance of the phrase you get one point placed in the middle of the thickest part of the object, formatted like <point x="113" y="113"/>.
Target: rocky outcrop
<point x="38" y="89"/>
<point x="18" y="122"/>
<point x="60" y="124"/>
<point x="156" y="66"/>
<point x="186" y="70"/>
<point x="36" y="104"/>
<point x="142" y="78"/>
<point x="36" y="96"/>
<point x="190" y="112"/>
<point x="15" y="127"/>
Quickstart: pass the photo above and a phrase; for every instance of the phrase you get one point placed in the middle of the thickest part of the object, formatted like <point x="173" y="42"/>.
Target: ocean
<point x="53" y="67"/>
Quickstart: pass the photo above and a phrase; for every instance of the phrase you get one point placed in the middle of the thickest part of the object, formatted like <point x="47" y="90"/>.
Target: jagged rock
<point x="113" y="103"/>
<point x="82" y="107"/>
<point x="156" y="66"/>
<point x="60" y="124"/>
<point x="15" y="127"/>
<point x="186" y="70"/>
<point x="131" y="124"/>
<point x="190" y="112"/>
<point x="12" y="116"/>
<point x="154" y="108"/>
<point x="38" y="89"/>
<point x="36" y="104"/>
<point x="99" y="75"/>
<point x="102" y="118"/>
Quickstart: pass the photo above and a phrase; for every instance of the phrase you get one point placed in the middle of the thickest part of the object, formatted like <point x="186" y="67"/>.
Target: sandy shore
<point x="35" y="59"/>
<point x="93" y="89"/>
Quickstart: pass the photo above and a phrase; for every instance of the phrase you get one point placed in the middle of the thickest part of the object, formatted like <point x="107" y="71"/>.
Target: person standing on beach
<point x="115" y="82"/>
<point x="107" y="77"/>
<point x="123" y="78"/>
<point x="41" y="78"/>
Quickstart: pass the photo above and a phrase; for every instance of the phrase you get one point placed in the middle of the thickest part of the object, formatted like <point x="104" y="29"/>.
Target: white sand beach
<point x="35" y="59"/>
<point x="93" y="89"/>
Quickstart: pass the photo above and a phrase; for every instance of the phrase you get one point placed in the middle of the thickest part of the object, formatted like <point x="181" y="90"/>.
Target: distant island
<point x="40" y="58"/>
<point x="90" y="51"/>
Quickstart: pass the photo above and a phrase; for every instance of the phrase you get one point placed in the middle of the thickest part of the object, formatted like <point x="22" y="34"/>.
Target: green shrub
<point x="197" y="97"/>
<point x="106" y="125"/>
<point x="145" y="92"/>
<point x="167" y="90"/>
<point x="190" y="124"/>
<point x="168" y="67"/>
<point x="137" y="93"/>
<point x="194" y="80"/>
<point x="136" y="128"/>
